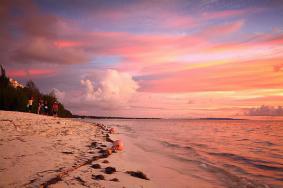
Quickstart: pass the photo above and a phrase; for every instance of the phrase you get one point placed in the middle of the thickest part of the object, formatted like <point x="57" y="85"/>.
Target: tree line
<point x="16" y="98"/>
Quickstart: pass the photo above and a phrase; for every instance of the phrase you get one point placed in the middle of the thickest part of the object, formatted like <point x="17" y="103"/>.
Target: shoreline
<point x="44" y="151"/>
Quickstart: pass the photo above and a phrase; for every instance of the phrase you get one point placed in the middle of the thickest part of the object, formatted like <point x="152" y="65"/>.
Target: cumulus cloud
<point x="103" y="90"/>
<point x="266" y="111"/>
<point x="111" y="90"/>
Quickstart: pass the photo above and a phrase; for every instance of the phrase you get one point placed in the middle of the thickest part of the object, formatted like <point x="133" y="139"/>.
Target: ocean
<point x="204" y="153"/>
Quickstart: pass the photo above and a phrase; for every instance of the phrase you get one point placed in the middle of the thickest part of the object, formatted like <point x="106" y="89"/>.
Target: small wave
<point x="266" y="167"/>
<point x="188" y="151"/>
<point x="266" y="143"/>
<point x="200" y="145"/>
<point x="230" y="179"/>
<point x="260" y="164"/>
<point x="173" y="145"/>
<point x="168" y="144"/>
<point x="235" y="168"/>
<point x="191" y="149"/>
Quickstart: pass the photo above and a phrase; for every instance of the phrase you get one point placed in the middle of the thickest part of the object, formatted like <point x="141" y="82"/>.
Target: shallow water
<point x="207" y="153"/>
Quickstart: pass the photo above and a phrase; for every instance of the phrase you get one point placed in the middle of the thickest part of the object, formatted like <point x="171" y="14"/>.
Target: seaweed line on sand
<point x="59" y="176"/>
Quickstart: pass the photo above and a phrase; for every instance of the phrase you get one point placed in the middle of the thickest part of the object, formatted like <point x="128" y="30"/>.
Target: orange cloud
<point x="227" y="77"/>
<point x="278" y="67"/>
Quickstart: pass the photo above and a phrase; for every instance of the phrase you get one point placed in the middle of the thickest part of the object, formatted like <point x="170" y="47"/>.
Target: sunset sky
<point x="158" y="58"/>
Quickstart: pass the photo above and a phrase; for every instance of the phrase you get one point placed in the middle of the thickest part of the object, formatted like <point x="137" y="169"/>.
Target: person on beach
<point x="45" y="108"/>
<point x="29" y="105"/>
<point x="55" y="108"/>
<point x="40" y="107"/>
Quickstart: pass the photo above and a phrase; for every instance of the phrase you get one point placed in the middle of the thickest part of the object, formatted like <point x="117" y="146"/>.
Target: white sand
<point x="35" y="148"/>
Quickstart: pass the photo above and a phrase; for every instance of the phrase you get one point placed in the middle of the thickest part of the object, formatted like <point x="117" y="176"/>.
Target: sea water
<point x="205" y="153"/>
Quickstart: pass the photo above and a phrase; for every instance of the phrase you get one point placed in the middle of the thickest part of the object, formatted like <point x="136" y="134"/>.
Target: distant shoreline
<point x="222" y="119"/>
<point x="150" y="118"/>
<point x="266" y="118"/>
<point x="108" y="117"/>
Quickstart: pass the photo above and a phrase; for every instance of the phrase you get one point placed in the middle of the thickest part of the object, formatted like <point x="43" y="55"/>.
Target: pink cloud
<point x="66" y="44"/>
<point x="175" y="21"/>
<point x="228" y="13"/>
<point x="17" y="73"/>
<point x="146" y="13"/>
<point x="30" y="72"/>
<point x="277" y="39"/>
<point x="222" y="30"/>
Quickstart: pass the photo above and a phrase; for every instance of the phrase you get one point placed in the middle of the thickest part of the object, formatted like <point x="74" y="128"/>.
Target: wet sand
<point x="43" y="151"/>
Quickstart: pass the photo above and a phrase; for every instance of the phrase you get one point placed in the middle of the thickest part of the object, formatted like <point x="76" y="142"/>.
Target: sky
<point x="151" y="58"/>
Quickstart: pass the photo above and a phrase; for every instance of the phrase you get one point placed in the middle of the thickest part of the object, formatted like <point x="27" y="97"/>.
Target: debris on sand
<point x="110" y="170"/>
<point x="114" y="179"/>
<point x="98" y="177"/>
<point x="96" y="166"/>
<point x="105" y="153"/>
<point x="80" y="180"/>
<point x="93" y="144"/>
<point x="109" y="140"/>
<point x="52" y="181"/>
<point x="68" y="152"/>
<point x="102" y="151"/>
<point x="138" y="174"/>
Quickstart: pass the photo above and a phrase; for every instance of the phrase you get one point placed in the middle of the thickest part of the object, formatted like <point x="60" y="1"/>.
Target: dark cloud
<point x="42" y="50"/>
<point x="29" y="36"/>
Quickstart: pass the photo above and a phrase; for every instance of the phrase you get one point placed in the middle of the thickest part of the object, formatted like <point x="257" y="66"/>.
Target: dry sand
<point x="43" y="151"/>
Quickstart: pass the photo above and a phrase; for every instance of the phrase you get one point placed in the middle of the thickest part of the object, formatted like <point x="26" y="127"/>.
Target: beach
<point x="44" y="151"/>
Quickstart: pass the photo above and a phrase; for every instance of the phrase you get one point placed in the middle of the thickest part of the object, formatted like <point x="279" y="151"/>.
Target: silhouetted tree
<point x="4" y="80"/>
<point x="16" y="99"/>
<point x="32" y="87"/>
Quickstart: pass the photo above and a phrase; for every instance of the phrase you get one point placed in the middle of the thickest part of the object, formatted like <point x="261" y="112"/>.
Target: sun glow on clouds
<point x="191" y="59"/>
<point x="106" y="90"/>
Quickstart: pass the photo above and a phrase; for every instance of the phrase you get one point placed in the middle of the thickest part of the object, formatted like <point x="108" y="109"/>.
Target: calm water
<point x="217" y="153"/>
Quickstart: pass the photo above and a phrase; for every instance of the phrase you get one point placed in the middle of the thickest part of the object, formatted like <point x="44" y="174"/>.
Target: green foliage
<point x="16" y="99"/>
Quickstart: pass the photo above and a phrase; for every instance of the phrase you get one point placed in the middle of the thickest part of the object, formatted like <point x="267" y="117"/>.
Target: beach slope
<point x="38" y="151"/>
